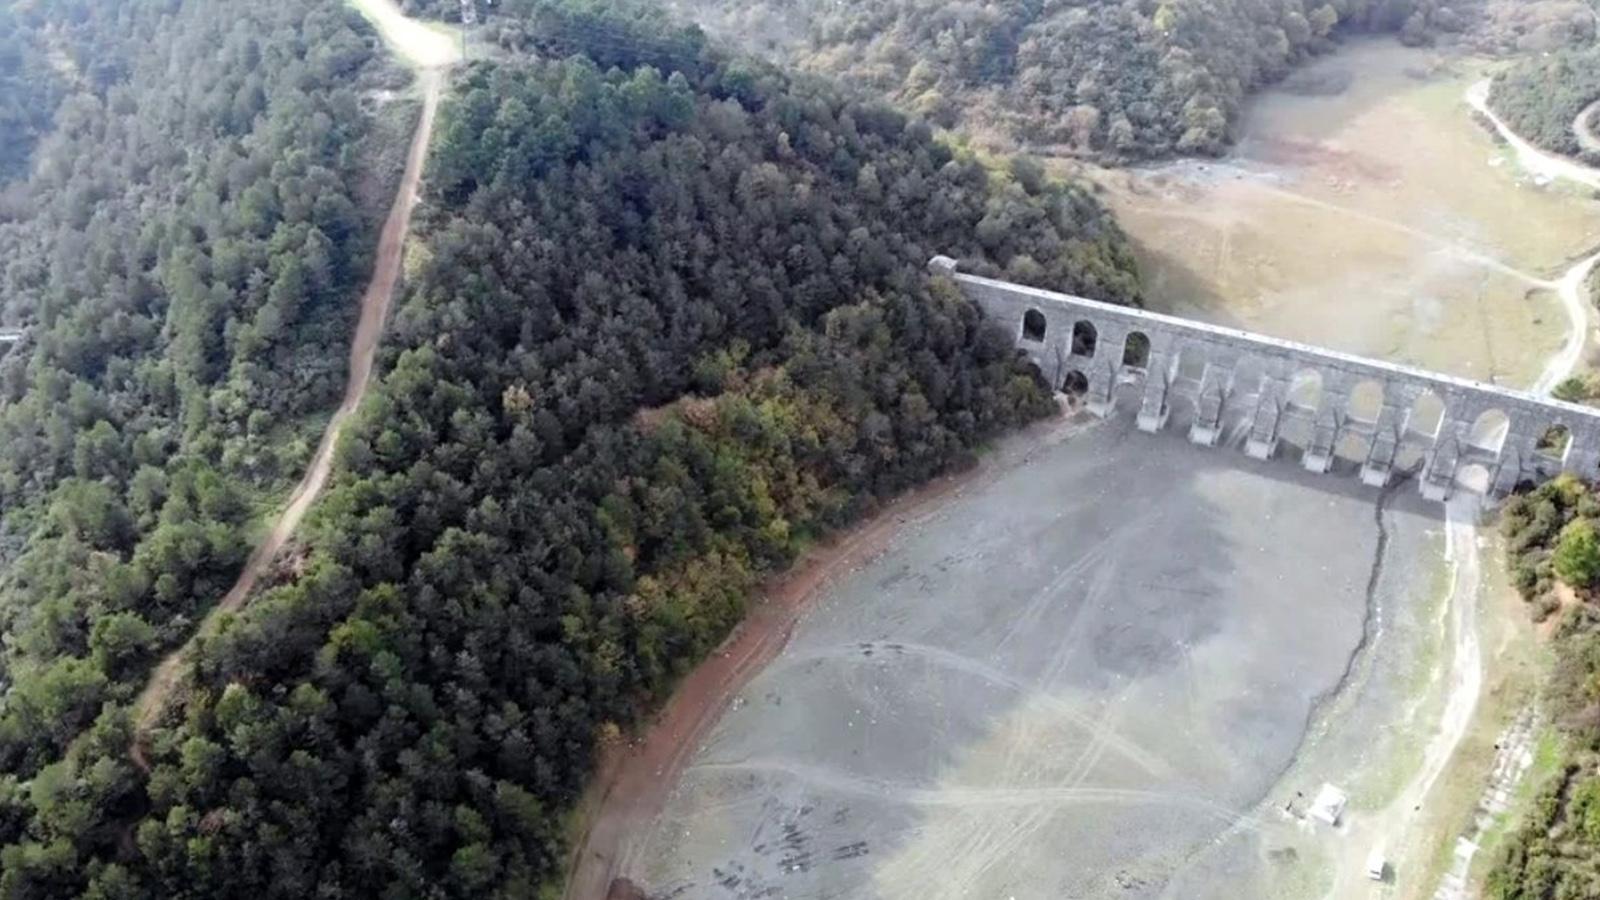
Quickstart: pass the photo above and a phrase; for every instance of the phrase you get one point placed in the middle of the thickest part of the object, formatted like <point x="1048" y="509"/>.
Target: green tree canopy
<point x="1577" y="554"/>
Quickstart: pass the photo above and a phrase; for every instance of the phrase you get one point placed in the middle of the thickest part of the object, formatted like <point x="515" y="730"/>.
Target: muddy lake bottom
<point x="1082" y="676"/>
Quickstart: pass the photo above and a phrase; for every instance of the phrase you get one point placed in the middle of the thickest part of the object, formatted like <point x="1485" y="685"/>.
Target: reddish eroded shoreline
<point x="634" y="780"/>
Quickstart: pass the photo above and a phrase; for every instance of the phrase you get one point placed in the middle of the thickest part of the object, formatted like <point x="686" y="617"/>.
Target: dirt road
<point x="1530" y="157"/>
<point x="1583" y="128"/>
<point x="1571" y="286"/>
<point x="374" y="310"/>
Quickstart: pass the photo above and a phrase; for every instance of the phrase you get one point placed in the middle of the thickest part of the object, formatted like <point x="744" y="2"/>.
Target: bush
<point x="1540" y="96"/>
<point x="1577" y="554"/>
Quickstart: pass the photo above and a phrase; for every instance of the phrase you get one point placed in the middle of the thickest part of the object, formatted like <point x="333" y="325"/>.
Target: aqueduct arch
<point x="1034" y="325"/>
<point x="1226" y="374"/>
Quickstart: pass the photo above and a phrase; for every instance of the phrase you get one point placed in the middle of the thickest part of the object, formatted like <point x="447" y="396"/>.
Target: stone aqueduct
<point x="1227" y="375"/>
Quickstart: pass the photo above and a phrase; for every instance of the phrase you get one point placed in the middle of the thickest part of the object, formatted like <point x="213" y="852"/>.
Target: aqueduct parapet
<point x="1266" y="383"/>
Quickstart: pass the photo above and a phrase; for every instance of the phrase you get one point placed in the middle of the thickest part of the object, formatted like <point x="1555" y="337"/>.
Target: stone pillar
<point x="1102" y="394"/>
<point x="1153" y="410"/>
<point x="1109" y="338"/>
<point x="1583" y="459"/>
<point x="1514" y="462"/>
<point x="1057" y="349"/>
<point x="1209" y="400"/>
<point x="1385" y="446"/>
<point x="1268" y="415"/>
<point x="1518" y="457"/>
<point x="1439" y="473"/>
<point x="1329" y="421"/>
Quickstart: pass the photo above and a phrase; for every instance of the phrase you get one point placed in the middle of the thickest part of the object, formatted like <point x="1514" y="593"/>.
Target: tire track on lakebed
<point x="977" y="796"/>
<point x="852" y="654"/>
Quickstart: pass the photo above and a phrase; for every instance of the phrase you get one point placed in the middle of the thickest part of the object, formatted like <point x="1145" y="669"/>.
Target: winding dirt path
<point x="363" y="347"/>
<point x="1570" y="287"/>
<point x="1583" y="128"/>
<point x="1530" y="157"/>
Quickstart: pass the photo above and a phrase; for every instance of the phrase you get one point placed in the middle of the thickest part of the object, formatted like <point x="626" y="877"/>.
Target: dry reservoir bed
<point x="1081" y="677"/>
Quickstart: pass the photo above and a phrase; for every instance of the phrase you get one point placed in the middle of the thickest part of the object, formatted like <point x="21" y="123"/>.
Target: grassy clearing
<point x="425" y="45"/>
<point x="1335" y="233"/>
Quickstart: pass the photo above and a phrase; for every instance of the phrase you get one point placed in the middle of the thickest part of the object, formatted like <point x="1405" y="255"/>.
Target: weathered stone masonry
<point x="1227" y="373"/>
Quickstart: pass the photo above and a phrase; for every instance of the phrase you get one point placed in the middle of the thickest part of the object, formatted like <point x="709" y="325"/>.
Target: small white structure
<point x="1376" y="864"/>
<point x="1329" y="805"/>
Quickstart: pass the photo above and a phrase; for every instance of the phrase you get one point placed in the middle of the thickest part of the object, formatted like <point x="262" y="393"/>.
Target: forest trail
<point x="363" y="347"/>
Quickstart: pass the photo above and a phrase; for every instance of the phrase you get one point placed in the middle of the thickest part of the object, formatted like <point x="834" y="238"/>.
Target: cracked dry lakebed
<point x="1083" y="675"/>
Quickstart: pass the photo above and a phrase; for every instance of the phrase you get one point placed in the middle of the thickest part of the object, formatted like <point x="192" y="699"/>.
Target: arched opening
<point x="1248" y="376"/>
<point x="1136" y="350"/>
<point x="1075" y="385"/>
<point x="1192" y="359"/>
<point x="1084" y="338"/>
<point x="1474" y="477"/>
<point x="1488" y="431"/>
<point x="1363" y="407"/>
<point x="1305" y="389"/>
<point x="1033" y="325"/>
<point x="1425" y="415"/>
<point x="1366" y="400"/>
<point x="1419" y="427"/>
<point x="1554" y="442"/>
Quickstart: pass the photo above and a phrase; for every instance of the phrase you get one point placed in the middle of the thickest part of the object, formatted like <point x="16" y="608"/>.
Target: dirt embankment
<point x="633" y="782"/>
<point x="363" y="347"/>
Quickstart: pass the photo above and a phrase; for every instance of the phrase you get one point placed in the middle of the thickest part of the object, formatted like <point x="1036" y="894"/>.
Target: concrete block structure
<point x="1266" y="385"/>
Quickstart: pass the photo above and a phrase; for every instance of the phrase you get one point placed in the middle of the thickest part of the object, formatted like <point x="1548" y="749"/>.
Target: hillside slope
<point x="30" y="88"/>
<point x="1115" y="78"/>
<point x="1551" y="549"/>
<point x="661" y="331"/>
<point x="183" y="252"/>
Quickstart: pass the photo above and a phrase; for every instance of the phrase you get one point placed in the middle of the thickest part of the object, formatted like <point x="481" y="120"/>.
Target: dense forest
<point x="1540" y="97"/>
<point x="667" y="319"/>
<point x="1112" y="78"/>
<point x="30" y="88"/>
<point x="183" y="248"/>
<point x="1552" y="538"/>
<point x="1122" y="79"/>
